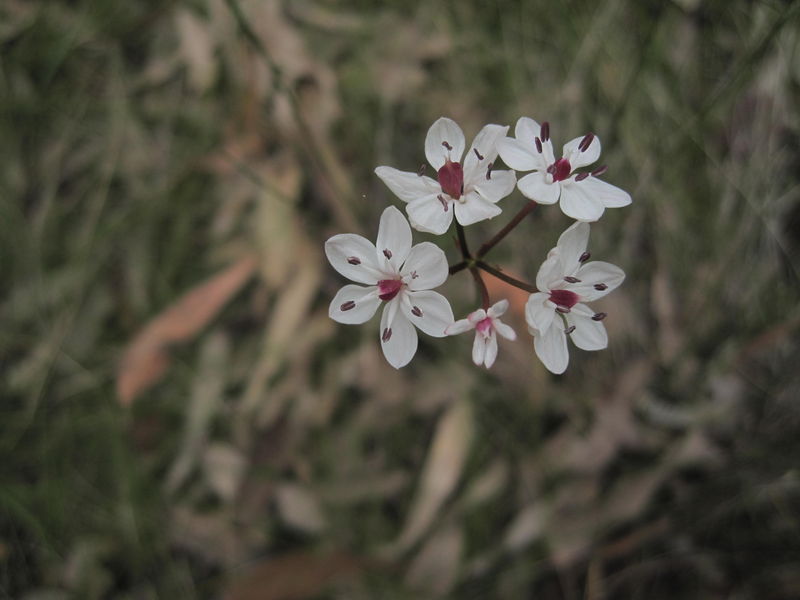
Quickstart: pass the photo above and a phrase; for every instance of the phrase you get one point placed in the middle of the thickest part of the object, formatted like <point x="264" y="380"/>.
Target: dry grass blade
<point x="147" y="358"/>
<point x="442" y="471"/>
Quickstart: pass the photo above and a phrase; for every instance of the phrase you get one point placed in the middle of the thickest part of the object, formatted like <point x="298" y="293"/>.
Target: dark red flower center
<point x="560" y="169"/>
<point x="451" y="178"/>
<point x="388" y="288"/>
<point x="564" y="298"/>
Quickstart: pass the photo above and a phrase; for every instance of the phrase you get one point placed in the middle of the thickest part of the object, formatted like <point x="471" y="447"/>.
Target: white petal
<point x="609" y="195"/>
<point x="444" y="131"/>
<point x="474" y="209"/>
<point x="539" y="313"/>
<point x="345" y="249"/>
<point x="429" y="215"/>
<point x="401" y="345"/>
<point x="498" y="187"/>
<point x="434" y="314"/>
<point x="597" y="273"/>
<point x="365" y="300"/>
<point x="588" y="334"/>
<point x="498" y="308"/>
<point x="478" y="348"/>
<point x="551" y="348"/>
<point x="519" y="155"/>
<point x="535" y="186"/>
<point x="527" y="129"/>
<point x="407" y="186"/>
<point x="504" y="330"/>
<point x="551" y="272"/>
<point x="486" y="144"/>
<point x="460" y="326"/>
<point x="428" y="262"/>
<point x="394" y="239"/>
<point x="577" y="203"/>
<point x="491" y="351"/>
<point x="571" y="245"/>
<point x="477" y="316"/>
<point x="578" y="159"/>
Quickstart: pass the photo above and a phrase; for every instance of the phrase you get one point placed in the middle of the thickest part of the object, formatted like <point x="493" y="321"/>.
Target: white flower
<point x="565" y="281"/>
<point x="583" y="196"/>
<point x="486" y="324"/>
<point x="468" y="188"/>
<point x="397" y="275"/>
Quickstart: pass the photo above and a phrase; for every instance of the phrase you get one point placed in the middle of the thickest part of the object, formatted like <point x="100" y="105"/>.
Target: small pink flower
<point x="486" y="324"/>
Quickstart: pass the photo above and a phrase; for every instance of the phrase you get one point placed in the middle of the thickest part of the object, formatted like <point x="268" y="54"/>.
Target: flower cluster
<point x="467" y="189"/>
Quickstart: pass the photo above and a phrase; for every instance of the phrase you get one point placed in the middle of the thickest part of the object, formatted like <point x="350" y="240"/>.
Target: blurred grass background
<point x="179" y="417"/>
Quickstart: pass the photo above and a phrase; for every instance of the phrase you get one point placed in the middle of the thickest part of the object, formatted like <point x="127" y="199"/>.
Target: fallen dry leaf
<point x="443" y="468"/>
<point x="294" y="576"/>
<point x="147" y="358"/>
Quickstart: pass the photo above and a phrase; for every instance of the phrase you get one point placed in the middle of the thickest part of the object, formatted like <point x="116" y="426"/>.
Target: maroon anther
<point x="421" y="170"/>
<point x="544" y="132"/>
<point x="446" y="145"/>
<point x="387" y="253"/>
<point x="581" y="176"/>
<point x="600" y="287"/>
<point x="388" y="288"/>
<point x="599" y="316"/>
<point x="599" y="171"/>
<point x="584" y="257"/>
<point x="451" y="178"/>
<point x="478" y="154"/>
<point x="564" y="299"/>
<point x="538" y="145"/>
<point x="387" y="333"/>
<point x="349" y="305"/>
<point x="416" y="311"/>
<point x="443" y="201"/>
<point x="354" y="260"/>
<point x="489" y="171"/>
<point x="571" y="279"/>
<point x="586" y="142"/>
<point x="560" y="169"/>
<point x="569" y="329"/>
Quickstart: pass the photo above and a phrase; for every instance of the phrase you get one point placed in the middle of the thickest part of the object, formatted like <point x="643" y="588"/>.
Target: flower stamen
<point x="599" y="316"/>
<point x="478" y="154"/>
<point x="354" y="260"/>
<point x="586" y="142"/>
<point x="349" y="305"/>
<point x="387" y="253"/>
<point x="416" y="311"/>
<point x="387" y="334"/>
<point x="600" y="287"/>
<point x="545" y="131"/>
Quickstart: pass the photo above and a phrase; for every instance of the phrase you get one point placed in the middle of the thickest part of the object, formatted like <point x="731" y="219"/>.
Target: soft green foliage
<point x="145" y="146"/>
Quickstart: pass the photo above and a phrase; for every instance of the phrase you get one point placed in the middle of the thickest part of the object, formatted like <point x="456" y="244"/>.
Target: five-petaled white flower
<point x="486" y="324"/>
<point x="565" y="281"/>
<point x="468" y="188"/>
<point x="397" y="275"/>
<point x="583" y="196"/>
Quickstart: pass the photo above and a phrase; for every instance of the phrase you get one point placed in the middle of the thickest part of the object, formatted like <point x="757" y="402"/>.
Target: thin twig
<point x="507" y="278"/>
<point x="482" y="289"/>
<point x="505" y="230"/>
